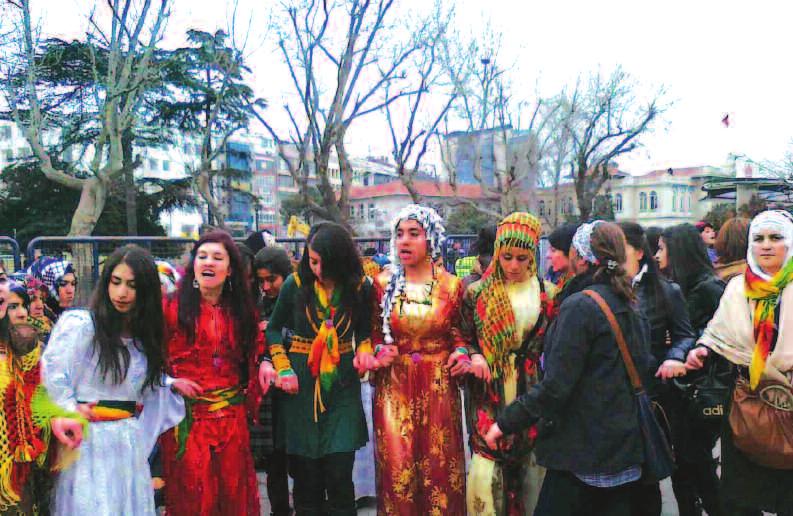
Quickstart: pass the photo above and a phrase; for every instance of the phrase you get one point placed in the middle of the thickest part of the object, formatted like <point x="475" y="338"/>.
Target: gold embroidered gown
<point x="417" y="414"/>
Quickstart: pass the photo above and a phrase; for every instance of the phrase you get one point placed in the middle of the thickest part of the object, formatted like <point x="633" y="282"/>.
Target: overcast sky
<point x="712" y="57"/>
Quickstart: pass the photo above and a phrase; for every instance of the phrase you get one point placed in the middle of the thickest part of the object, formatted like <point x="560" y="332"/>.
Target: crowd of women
<point x="244" y="360"/>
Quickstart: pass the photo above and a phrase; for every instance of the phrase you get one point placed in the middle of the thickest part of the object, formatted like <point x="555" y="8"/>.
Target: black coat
<point x="585" y="399"/>
<point x="703" y="299"/>
<point x="667" y="315"/>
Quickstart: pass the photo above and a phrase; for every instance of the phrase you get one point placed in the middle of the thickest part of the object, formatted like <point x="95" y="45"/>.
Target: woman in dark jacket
<point x="589" y="438"/>
<point x="671" y="338"/>
<point x="683" y="257"/>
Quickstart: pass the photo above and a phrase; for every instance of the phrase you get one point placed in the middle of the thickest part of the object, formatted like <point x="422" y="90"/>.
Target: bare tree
<point x="428" y="106"/>
<point x="369" y="56"/>
<point x="134" y="31"/>
<point x="501" y="152"/>
<point x="605" y="121"/>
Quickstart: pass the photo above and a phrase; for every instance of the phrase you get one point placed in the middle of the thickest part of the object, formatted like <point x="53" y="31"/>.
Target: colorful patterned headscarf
<point x="51" y="270"/>
<point x="494" y="317"/>
<point x="436" y="237"/>
<point x="582" y="241"/>
<point x="765" y="290"/>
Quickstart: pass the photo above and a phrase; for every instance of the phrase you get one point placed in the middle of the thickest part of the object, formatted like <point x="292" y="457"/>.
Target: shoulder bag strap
<point x="636" y="381"/>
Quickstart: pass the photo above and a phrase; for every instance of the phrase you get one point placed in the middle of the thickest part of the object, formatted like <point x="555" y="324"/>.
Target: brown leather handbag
<point x="762" y="423"/>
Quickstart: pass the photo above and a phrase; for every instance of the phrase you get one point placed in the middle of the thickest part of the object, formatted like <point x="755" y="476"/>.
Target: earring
<point x="195" y="283"/>
<point x="228" y="283"/>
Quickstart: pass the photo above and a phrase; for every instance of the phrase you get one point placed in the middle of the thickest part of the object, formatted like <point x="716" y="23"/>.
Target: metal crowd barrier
<point x="11" y="261"/>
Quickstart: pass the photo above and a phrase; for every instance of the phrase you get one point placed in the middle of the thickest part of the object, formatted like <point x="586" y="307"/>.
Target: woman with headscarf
<point x="590" y="437"/>
<point x="752" y="329"/>
<point x="59" y="277"/>
<point x="507" y="311"/>
<point x="417" y="413"/>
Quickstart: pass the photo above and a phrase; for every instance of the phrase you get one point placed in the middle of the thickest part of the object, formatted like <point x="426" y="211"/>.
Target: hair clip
<point x="611" y="265"/>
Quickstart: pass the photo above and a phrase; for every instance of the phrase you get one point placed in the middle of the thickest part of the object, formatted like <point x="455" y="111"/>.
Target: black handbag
<point x="706" y="394"/>
<point x="659" y="462"/>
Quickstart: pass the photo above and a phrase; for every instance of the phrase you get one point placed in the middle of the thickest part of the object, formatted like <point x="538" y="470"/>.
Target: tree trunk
<point x="131" y="197"/>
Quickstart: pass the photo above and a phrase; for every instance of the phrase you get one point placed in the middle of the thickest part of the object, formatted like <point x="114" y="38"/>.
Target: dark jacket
<point x="667" y="315"/>
<point x="703" y="299"/>
<point x="586" y="402"/>
<point x="575" y="285"/>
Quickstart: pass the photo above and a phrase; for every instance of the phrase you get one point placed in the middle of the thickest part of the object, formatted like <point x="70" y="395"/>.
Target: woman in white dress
<point x="108" y="364"/>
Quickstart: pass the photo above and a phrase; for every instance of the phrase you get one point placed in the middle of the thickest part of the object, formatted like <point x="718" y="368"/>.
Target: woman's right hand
<point x="68" y="431"/>
<point x="386" y="354"/>
<point x="187" y="388"/>
<point x="696" y="358"/>
<point x="287" y="382"/>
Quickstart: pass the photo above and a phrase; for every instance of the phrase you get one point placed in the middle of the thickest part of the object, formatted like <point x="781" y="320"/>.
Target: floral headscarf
<point x="494" y="317"/>
<point x="436" y="237"/>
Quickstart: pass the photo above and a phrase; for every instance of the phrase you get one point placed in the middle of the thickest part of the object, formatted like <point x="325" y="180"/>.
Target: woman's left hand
<point x="671" y="369"/>
<point x="267" y="375"/>
<point x="494" y="433"/>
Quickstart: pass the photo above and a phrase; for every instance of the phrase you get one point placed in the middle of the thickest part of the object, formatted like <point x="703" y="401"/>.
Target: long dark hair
<point x="236" y="296"/>
<point x="145" y="319"/>
<point x="686" y="254"/>
<point x="608" y="245"/>
<point x="341" y="264"/>
<point x="636" y="238"/>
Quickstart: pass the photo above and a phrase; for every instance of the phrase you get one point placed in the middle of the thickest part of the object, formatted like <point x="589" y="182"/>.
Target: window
<point x="5" y="132"/>
<point x="542" y="208"/>
<point x="568" y="205"/>
<point x="153" y="164"/>
<point x="352" y="211"/>
<point x="371" y="211"/>
<point x="618" y="203"/>
<point x="361" y="212"/>
<point x="674" y="199"/>
<point x="642" y="201"/>
<point x="653" y="201"/>
<point x="166" y="165"/>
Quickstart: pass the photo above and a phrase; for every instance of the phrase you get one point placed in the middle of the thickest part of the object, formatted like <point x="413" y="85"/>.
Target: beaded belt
<point x="303" y="346"/>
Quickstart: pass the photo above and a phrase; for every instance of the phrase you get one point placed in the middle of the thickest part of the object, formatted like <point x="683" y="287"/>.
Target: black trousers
<point x="563" y="494"/>
<point x="278" y="483"/>
<point x="312" y="476"/>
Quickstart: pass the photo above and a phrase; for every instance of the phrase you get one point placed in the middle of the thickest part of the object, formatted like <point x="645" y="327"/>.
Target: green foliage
<point x="32" y="206"/>
<point x="755" y="205"/>
<point x="467" y="220"/>
<point x="719" y="214"/>
<point x="602" y="208"/>
<point x="295" y="205"/>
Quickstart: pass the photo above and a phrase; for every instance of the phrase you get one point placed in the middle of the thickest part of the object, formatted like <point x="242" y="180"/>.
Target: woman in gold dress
<point x="417" y="413"/>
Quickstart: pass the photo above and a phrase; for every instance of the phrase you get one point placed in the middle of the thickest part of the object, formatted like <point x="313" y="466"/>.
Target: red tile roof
<point x="424" y="188"/>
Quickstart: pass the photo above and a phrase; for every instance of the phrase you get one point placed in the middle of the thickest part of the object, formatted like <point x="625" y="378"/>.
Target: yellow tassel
<point x="318" y="400"/>
<point x="7" y="495"/>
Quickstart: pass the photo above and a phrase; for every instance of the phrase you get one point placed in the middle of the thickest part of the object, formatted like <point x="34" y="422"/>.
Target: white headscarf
<point x="582" y="241"/>
<point x="777" y="220"/>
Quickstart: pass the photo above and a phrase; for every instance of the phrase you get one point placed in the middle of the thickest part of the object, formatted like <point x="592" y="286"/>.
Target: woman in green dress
<point x="325" y="308"/>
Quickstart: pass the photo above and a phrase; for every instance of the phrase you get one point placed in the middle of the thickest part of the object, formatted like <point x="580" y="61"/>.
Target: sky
<point x="712" y="58"/>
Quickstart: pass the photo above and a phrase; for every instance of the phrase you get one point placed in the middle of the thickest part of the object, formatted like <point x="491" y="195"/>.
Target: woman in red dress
<point x="212" y="339"/>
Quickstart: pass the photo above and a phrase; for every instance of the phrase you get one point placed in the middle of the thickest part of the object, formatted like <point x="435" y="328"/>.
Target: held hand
<point x="696" y="358"/>
<point x="262" y="326"/>
<point x="479" y="367"/>
<point x="68" y="431"/>
<point x="187" y="388"/>
<point x="86" y="410"/>
<point x="494" y="433"/>
<point x="458" y="363"/>
<point x="386" y="355"/>
<point x="671" y="369"/>
<point x="267" y="376"/>
<point x="364" y="362"/>
<point x="287" y="382"/>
